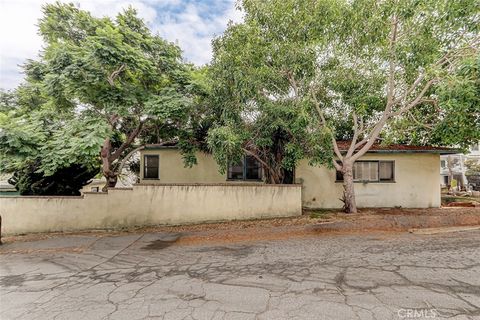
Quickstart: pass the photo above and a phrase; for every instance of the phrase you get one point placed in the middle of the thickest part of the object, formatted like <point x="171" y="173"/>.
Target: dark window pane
<point x="151" y="173"/>
<point x="386" y="171"/>
<point x="253" y="169"/>
<point x="339" y="175"/>
<point x="235" y="171"/>
<point x="151" y="161"/>
<point x="151" y="167"/>
<point x="253" y="173"/>
<point x="247" y="169"/>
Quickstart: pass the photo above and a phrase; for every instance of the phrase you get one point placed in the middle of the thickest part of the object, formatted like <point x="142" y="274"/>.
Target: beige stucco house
<point x="392" y="176"/>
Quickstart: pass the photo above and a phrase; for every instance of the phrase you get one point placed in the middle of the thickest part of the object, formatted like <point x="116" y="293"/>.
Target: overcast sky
<point x="190" y="23"/>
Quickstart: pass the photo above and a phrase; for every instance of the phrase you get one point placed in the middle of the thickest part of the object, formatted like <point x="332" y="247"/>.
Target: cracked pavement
<point x="149" y="276"/>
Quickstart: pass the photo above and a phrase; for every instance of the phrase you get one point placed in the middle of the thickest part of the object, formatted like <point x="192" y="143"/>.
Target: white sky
<point x="190" y="23"/>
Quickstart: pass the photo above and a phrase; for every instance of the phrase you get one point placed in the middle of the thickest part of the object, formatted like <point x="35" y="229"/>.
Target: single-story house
<point x="387" y="176"/>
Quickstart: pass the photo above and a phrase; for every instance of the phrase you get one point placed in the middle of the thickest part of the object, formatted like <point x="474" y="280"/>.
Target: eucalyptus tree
<point x="115" y="75"/>
<point x="388" y="59"/>
<point x="352" y="68"/>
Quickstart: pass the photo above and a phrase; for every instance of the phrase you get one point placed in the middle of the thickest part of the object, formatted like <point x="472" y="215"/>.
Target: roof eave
<point x="441" y="152"/>
<point x="156" y="147"/>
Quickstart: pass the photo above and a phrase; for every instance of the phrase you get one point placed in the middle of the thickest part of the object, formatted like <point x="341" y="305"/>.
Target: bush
<point x="66" y="181"/>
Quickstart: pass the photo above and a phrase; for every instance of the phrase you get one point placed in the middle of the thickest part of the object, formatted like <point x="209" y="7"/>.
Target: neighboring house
<point x="456" y="164"/>
<point x="97" y="184"/>
<point x="6" y="189"/>
<point x="391" y="176"/>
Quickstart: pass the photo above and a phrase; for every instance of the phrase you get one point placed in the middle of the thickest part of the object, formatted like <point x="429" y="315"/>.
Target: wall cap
<point x="42" y="197"/>
<point x="238" y="184"/>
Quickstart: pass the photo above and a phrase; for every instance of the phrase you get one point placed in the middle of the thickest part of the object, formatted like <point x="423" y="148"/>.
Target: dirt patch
<point x="382" y="219"/>
<point x="158" y="245"/>
<point x="460" y="201"/>
<point x="471" y="204"/>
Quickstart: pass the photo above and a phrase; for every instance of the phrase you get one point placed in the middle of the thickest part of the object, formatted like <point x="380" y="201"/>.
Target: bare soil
<point x="281" y="228"/>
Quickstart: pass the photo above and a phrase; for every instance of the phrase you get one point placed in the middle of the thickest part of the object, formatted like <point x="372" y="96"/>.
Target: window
<point x="247" y="169"/>
<point x="365" y="171"/>
<point x="371" y="171"/>
<point x="443" y="164"/>
<point x="476" y="147"/>
<point x="386" y="171"/>
<point x="151" y="166"/>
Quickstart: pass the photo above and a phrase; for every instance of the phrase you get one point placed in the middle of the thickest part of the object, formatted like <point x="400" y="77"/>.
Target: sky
<point x="190" y="23"/>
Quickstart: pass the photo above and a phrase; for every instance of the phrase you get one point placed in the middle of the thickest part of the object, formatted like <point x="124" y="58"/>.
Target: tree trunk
<point x="273" y="175"/>
<point x="350" y="205"/>
<point x="107" y="171"/>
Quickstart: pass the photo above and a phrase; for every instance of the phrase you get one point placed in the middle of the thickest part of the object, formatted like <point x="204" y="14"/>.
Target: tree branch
<point x="351" y="148"/>
<point x="392" y="61"/>
<point x="128" y="156"/>
<point x="111" y="78"/>
<point x="127" y="143"/>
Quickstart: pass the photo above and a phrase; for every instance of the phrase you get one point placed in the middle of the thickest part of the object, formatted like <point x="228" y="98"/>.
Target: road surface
<point x="148" y="276"/>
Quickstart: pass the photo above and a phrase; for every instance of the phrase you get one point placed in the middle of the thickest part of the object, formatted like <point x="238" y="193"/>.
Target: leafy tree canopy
<point x="99" y="85"/>
<point x="257" y="109"/>
<point x="330" y="69"/>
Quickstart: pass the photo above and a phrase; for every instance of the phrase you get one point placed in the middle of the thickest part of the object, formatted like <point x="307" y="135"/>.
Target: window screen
<point x="386" y="171"/>
<point x="372" y="171"/>
<point x="365" y="171"/>
<point x="151" y="165"/>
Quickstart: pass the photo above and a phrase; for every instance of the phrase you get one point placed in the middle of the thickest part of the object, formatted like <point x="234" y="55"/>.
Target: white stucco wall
<point x="417" y="184"/>
<point x="148" y="205"/>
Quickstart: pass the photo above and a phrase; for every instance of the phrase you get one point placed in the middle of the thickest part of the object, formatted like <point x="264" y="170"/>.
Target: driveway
<point x="150" y="276"/>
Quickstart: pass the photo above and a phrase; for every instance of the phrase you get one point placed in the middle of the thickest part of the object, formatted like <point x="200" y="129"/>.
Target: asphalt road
<point x="147" y="276"/>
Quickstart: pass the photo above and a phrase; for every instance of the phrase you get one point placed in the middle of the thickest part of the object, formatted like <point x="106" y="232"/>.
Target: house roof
<point x="400" y="148"/>
<point x="155" y="146"/>
<point x="344" y="145"/>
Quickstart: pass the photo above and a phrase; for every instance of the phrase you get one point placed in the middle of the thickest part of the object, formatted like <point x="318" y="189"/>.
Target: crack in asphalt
<point x="335" y="277"/>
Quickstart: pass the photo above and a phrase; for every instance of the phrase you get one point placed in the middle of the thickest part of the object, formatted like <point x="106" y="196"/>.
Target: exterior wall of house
<point x="417" y="184"/>
<point x="173" y="170"/>
<point x="145" y="205"/>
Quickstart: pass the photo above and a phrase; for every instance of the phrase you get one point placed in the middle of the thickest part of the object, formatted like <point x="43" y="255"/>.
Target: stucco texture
<point x="148" y="205"/>
<point x="416" y="185"/>
<point x="172" y="168"/>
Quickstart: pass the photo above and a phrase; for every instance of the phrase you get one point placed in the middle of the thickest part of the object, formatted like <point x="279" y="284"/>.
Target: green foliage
<point x="98" y="83"/>
<point x="306" y="70"/>
<point x="459" y="99"/>
<point x="258" y="107"/>
<point x="37" y="134"/>
<point x="66" y="181"/>
<point x="473" y="167"/>
<point x="226" y="145"/>
<point x="454" y="120"/>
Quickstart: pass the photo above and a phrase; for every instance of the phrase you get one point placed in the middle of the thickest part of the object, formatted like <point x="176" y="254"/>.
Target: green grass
<point x="320" y="214"/>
